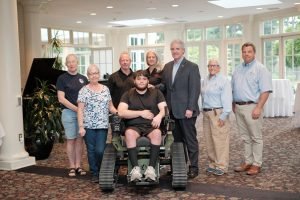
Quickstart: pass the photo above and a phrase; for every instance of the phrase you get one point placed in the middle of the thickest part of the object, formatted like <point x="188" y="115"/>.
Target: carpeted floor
<point x="279" y="179"/>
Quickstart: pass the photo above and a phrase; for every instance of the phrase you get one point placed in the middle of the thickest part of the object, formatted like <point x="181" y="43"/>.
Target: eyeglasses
<point x="213" y="65"/>
<point x="95" y="73"/>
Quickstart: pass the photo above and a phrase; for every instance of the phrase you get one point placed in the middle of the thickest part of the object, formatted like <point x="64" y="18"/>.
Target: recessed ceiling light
<point x="175" y="5"/>
<point x="137" y="22"/>
<point x="109" y="7"/>
<point x="151" y="8"/>
<point x="79" y="22"/>
<point x="259" y="8"/>
<point x="220" y="16"/>
<point x="93" y="14"/>
<point x="240" y="4"/>
<point x="296" y="3"/>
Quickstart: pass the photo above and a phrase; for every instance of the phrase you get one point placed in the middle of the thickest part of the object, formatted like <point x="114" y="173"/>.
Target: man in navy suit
<point x="181" y="84"/>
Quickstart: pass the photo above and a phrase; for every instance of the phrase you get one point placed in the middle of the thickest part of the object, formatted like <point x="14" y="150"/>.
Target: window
<point x="63" y="35"/>
<point x="213" y="33"/>
<point x="233" y="57"/>
<point x="193" y="54"/>
<point x="271" y="57"/>
<point x="138" y="59"/>
<point x="44" y="34"/>
<point x="80" y="37"/>
<point x="98" y="39"/>
<point x="156" y="38"/>
<point x="271" y="27"/>
<point x="291" y="24"/>
<point x="194" y="34"/>
<point x="103" y="59"/>
<point x="136" y="39"/>
<point x="212" y="51"/>
<point x="292" y="59"/>
<point x="234" y="31"/>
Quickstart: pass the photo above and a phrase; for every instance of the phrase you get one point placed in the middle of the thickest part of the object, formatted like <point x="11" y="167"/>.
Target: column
<point x="29" y="35"/>
<point x="12" y="152"/>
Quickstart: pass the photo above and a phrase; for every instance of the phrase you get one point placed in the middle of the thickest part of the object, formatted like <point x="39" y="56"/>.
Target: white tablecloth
<point x="2" y="133"/>
<point x="280" y="102"/>
<point x="297" y="107"/>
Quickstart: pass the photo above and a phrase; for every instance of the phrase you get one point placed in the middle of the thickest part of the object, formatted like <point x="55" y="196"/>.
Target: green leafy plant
<point x="56" y="48"/>
<point x="42" y="114"/>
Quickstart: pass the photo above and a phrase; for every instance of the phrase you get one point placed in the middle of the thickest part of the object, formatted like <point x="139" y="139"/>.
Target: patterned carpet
<point x="279" y="179"/>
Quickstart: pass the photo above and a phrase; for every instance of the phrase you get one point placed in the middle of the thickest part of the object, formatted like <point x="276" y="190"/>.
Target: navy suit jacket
<point x="183" y="93"/>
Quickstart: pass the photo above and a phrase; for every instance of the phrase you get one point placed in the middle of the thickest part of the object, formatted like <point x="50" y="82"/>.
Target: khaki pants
<point x="217" y="140"/>
<point x="251" y="133"/>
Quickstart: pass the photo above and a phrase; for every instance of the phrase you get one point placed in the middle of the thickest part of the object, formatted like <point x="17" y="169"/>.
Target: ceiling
<point x="65" y="13"/>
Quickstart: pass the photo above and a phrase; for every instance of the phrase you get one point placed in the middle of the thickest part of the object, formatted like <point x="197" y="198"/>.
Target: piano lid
<point x="41" y="68"/>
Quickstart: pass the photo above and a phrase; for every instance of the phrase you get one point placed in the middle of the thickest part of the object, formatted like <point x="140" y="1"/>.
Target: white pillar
<point x="30" y="31"/>
<point x="12" y="153"/>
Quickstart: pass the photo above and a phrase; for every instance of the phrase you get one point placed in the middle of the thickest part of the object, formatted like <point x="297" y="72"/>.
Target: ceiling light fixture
<point x="93" y="14"/>
<point x="220" y="16"/>
<point x="259" y="8"/>
<point x="240" y="4"/>
<point x="175" y="5"/>
<point x="109" y="7"/>
<point x="137" y="22"/>
<point x="151" y="8"/>
<point x="79" y="22"/>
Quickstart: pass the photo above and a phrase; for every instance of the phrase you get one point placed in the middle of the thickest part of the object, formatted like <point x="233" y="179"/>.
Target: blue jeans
<point x="69" y="121"/>
<point x="95" y="140"/>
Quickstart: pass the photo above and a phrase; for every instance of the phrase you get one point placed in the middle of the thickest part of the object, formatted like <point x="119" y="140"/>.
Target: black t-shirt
<point x="70" y="85"/>
<point x="118" y="83"/>
<point x="147" y="101"/>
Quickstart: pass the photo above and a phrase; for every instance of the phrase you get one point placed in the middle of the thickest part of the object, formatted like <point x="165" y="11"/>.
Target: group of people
<point x="246" y="95"/>
<point x="140" y="99"/>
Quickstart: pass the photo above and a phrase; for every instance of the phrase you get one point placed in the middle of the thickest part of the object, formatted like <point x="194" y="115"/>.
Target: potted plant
<point x="42" y="124"/>
<point x="56" y="48"/>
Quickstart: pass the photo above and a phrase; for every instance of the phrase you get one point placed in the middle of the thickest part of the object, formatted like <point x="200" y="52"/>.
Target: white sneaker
<point x="150" y="173"/>
<point x="135" y="174"/>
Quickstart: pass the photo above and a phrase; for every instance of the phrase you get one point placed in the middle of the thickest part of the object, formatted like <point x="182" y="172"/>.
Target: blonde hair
<point x="124" y="53"/>
<point x="157" y="64"/>
<point x="92" y="66"/>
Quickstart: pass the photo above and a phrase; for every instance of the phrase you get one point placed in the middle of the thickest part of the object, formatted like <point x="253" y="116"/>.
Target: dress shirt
<point x="217" y="93"/>
<point x="249" y="81"/>
<point x="175" y="68"/>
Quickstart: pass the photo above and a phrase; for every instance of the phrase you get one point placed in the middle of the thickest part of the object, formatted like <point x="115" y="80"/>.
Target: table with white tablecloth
<point x="297" y="107"/>
<point x="281" y="100"/>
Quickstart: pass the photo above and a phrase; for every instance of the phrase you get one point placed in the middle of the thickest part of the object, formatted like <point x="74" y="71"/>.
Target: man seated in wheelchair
<point x="142" y="109"/>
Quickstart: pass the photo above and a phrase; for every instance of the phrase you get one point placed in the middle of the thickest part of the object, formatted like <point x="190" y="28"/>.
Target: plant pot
<point x="37" y="149"/>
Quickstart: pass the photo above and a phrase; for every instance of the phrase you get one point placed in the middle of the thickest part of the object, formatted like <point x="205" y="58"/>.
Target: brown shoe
<point x="254" y="170"/>
<point x="242" y="168"/>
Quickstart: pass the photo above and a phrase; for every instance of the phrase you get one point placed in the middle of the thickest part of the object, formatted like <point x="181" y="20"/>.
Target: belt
<point x="244" y="102"/>
<point x="211" y="109"/>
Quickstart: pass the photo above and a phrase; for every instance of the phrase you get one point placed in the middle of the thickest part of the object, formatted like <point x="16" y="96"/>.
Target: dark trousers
<point x="185" y="131"/>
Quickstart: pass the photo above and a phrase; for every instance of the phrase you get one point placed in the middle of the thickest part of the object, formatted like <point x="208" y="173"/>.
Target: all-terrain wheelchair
<point x="115" y="156"/>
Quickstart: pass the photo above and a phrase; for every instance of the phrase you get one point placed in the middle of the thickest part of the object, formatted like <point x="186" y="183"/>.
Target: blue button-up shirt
<point x="175" y="68"/>
<point x="216" y="92"/>
<point x="249" y="81"/>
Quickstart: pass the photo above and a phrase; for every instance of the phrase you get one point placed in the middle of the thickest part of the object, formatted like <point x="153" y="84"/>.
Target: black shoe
<point x="95" y="179"/>
<point x="193" y="172"/>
